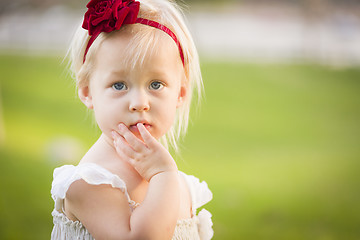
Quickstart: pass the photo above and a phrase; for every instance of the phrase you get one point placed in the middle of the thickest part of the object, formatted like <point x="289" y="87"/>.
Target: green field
<point x="279" y="146"/>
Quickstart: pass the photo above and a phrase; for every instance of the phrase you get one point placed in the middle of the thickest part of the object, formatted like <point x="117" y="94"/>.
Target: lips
<point x="133" y="127"/>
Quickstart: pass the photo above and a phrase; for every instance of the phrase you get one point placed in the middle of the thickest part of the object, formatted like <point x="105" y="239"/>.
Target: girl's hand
<point x="148" y="157"/>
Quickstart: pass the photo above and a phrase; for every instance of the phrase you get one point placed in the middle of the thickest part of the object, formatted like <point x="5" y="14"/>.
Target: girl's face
<point x="148" y="93"/>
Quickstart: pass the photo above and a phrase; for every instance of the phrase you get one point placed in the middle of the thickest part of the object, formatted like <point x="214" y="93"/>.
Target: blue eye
<point x="119" y="86"/>
<point x="156" y="85"/>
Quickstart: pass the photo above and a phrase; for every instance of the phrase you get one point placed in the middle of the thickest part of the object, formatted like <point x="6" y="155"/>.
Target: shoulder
<point x="90" y="174"/>
<point x="200" y="195"/>
<point x="82" y="196"/>
<point x="199" y="191"/>
<point x="90" y="187"/>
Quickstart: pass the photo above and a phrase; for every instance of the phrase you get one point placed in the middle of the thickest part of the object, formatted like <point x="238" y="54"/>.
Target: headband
<point x="110" y="15"/>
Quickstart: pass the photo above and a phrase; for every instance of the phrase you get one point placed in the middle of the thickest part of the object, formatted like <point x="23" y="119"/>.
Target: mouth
<point x="133" y="127"/>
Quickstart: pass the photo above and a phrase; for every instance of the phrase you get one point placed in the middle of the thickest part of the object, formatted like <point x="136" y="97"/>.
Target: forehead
<point x="137" y="46"/>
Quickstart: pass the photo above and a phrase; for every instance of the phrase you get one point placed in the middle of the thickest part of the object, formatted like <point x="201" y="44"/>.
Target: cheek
<point x="107" y="116"/>
<point x="101" y="118"/>
<point x="166" y="112"/>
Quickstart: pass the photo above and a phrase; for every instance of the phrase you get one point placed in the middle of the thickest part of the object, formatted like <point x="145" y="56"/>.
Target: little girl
<point x="136" y="67"/>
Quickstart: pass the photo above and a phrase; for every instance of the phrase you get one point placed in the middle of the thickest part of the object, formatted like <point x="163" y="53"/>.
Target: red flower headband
<point x="110" y="15"/>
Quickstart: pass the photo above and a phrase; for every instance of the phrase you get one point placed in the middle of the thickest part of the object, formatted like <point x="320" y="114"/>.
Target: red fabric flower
<point x="109" y="15"/>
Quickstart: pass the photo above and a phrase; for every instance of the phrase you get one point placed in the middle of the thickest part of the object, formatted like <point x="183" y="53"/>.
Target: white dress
<point x="197" y="227"/>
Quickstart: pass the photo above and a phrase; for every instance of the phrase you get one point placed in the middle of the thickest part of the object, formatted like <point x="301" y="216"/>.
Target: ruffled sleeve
<point x="91" y="173"/>
<point x="200" y="195"/>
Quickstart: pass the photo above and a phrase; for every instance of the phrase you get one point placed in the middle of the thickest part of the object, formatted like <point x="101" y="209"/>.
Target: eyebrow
<point x="113" y="74"/>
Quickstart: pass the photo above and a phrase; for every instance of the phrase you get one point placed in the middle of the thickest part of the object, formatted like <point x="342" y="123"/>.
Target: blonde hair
<point x="168" y="13"/>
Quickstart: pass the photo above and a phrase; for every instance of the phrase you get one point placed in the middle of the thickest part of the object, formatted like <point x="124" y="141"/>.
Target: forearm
<point x="156" y="217"/>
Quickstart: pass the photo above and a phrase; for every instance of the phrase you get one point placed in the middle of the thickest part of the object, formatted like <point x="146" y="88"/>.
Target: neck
<point x="104" y="153"/>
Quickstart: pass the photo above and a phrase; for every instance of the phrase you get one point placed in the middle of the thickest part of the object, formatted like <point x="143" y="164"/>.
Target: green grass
<point x="277" y="144"/>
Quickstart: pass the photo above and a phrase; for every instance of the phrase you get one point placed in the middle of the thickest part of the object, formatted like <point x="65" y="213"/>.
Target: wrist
<point x="167" y="173"/>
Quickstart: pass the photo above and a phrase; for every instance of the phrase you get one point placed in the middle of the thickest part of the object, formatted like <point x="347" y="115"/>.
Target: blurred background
<point x="277" y="137"/>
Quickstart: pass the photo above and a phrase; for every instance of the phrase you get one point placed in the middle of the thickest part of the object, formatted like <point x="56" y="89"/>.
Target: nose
<point x="139" y="102"/>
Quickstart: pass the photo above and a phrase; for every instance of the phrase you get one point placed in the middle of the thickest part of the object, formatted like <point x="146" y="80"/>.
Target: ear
<point x="85" y="96"/>
<point x="182" y="95"/>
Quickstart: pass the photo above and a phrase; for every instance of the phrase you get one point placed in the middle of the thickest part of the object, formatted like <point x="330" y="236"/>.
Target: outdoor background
<point x="277" y="137"/>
